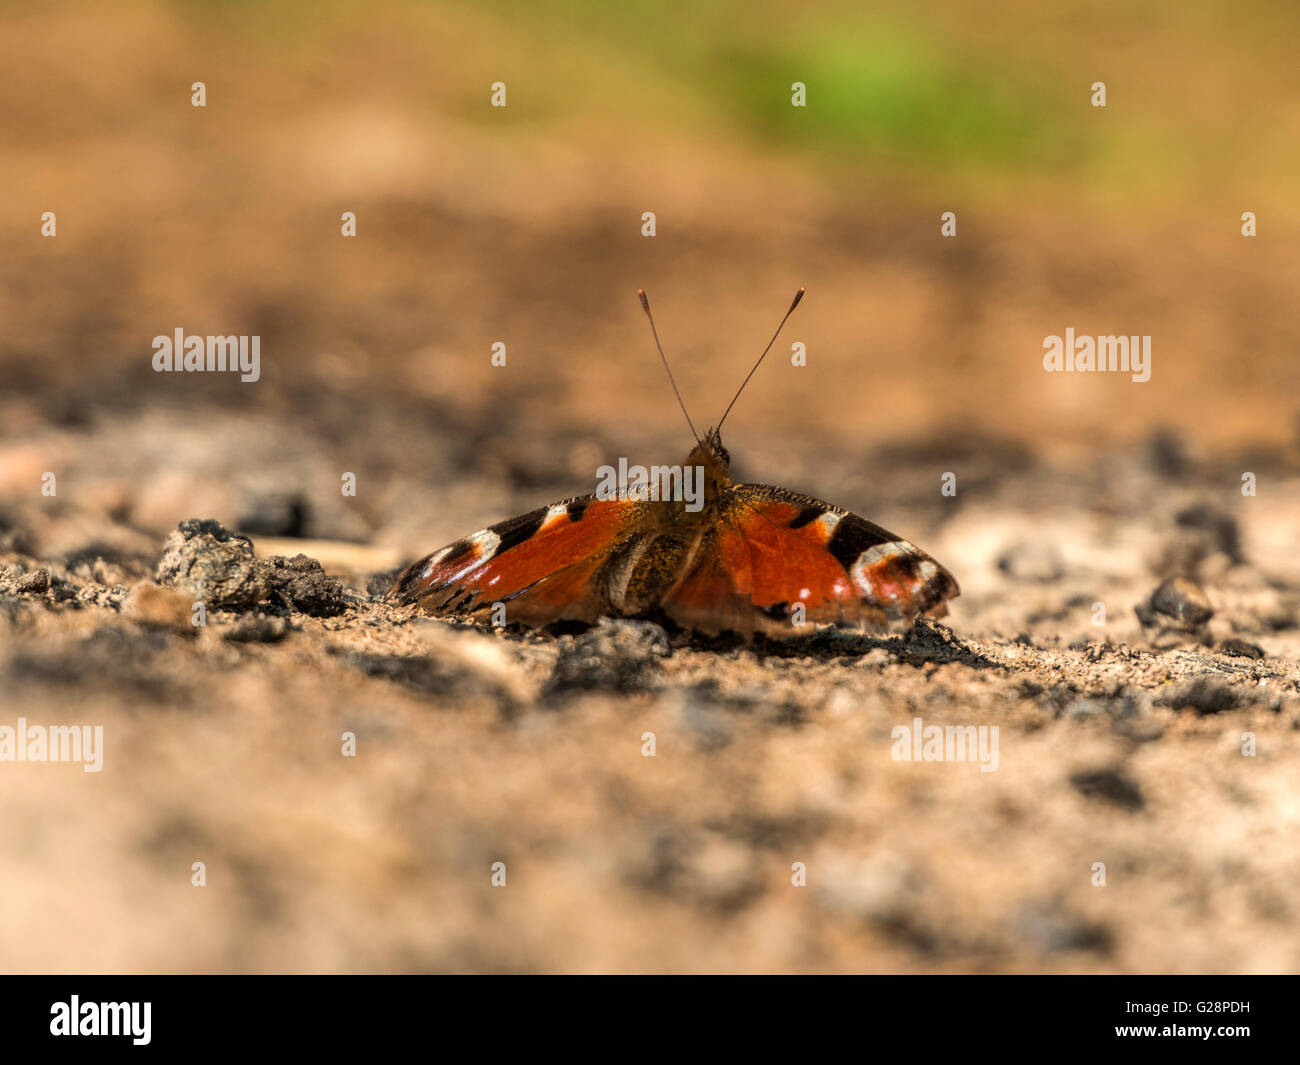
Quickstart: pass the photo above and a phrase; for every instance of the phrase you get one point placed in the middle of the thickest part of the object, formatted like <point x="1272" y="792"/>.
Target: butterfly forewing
<point x="543" y="565"/>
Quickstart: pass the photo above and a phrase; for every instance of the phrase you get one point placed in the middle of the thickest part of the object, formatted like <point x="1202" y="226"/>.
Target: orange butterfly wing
<point x="543" y="565"/>
<point x="772" y="549"/>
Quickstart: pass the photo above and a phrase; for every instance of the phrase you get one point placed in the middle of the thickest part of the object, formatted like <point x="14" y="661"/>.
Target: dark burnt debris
<point x="205" y="561"/>
<point x="618" y="656"/>
<point x="300" y="584"/>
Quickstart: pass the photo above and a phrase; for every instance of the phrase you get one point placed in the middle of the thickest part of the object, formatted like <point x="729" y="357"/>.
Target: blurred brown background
<point x="523" y="225"/>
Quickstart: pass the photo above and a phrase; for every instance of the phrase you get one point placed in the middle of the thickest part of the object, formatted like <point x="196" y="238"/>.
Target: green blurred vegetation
<point x="897" y="96"/>
<point x="878" y="87"/>
<point x="1201" y="95"/>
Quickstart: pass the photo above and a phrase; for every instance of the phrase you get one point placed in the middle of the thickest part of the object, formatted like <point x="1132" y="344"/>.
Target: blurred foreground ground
<point x="474" y="748"/>
<point x="523" y="226"/>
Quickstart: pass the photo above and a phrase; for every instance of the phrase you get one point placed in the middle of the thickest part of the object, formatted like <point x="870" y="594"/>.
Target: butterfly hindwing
<point x="771" y="549"/>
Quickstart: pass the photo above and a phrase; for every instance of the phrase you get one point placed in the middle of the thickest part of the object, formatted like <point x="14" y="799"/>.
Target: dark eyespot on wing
<point x="577" y="508"/>
<point x="807" y="516"/>
<point x="516" y="530"/>
<point x="853" y="536"/>
<point x="908" y="565"/>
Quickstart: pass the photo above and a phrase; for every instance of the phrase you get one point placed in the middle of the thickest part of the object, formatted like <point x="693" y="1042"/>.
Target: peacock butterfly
<point x="747" y="559"/>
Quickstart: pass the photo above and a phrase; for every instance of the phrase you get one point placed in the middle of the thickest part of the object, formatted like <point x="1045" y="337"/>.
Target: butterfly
<point x="741" y="559"/>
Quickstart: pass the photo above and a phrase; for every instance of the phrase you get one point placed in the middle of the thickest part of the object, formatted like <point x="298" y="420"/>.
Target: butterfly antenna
<point x="797" y="297"/>
<point x="645" y="304"/>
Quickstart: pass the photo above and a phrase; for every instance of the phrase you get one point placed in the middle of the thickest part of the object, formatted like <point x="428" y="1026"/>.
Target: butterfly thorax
<point x="714" y="460"/>
<point x="708" y="464"/>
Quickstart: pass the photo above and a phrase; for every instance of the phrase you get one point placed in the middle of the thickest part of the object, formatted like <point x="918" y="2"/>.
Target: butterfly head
<point x="714" y="459"/>
<point x="713" y="449"/>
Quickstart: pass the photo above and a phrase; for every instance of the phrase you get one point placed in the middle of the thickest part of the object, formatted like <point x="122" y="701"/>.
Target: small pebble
<point x="1110" y="785"/>
<point x="34" y="583"/>
<point x="1179" y="602"/>
<point x="205" y="562"/>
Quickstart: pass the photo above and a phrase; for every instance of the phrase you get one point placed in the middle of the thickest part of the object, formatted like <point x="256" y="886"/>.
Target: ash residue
<point x="301" y="584"/>
<point x="615" y="656"/>
<point x="204" y="561"/>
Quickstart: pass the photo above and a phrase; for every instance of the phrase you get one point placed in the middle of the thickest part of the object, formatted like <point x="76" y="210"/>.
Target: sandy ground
<point x="772" y="829"/>
<point x="223" y="744"/>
